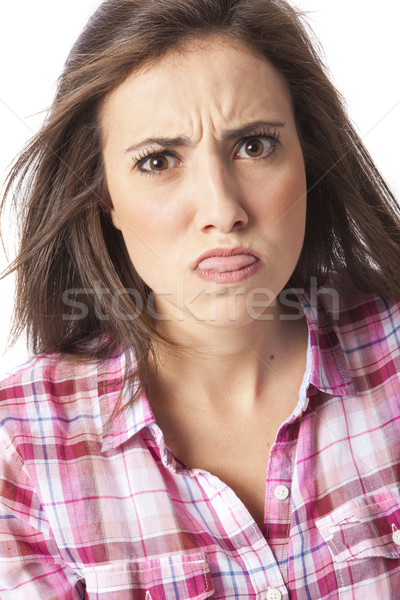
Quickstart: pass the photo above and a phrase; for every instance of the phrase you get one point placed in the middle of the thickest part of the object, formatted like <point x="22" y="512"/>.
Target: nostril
<point x="238" y="225"/>
<point x="223" y="212"/>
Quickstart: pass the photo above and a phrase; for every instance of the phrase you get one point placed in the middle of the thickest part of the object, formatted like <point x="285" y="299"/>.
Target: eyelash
<point x="272" y="135"/>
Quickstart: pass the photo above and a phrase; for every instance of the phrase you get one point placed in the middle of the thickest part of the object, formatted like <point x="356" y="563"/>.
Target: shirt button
<point x="281" y="492"/>
<point x="396" y="537"/>
<point x="273" y="594"/>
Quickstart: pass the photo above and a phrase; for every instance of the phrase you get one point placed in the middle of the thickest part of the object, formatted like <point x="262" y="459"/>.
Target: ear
<point x="115" y="220"/>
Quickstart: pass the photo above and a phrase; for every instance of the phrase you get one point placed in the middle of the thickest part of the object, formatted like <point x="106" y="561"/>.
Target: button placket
<point x="277" y="513"/>
<point x="259" y="551"/>
<point x="281" y="492"/>
<point x="273" y="594"/>
<point x="396" y="535"/>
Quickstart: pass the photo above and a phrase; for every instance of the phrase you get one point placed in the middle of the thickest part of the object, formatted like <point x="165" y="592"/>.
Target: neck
<point x="235" y="364"/>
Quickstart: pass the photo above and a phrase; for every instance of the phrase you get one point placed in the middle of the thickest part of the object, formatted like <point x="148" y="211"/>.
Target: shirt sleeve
<point x="30" y="563"/>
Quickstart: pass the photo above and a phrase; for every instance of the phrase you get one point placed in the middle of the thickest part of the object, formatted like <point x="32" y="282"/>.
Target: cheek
<point x="152" y="217"/>
<point x="285" y="212"/>
<point x="133" y="205"/>
<point x="292" y="182"/>
<point x="284" y="198"/>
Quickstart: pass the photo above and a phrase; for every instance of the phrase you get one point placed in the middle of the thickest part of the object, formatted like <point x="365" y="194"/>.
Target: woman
<point x="208" y="274"/>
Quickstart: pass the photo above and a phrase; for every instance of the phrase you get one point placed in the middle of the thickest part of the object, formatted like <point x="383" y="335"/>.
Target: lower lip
<point x="229" y="276"/>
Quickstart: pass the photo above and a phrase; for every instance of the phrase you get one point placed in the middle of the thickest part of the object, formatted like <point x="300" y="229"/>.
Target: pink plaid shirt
<point x="88" y="514"/>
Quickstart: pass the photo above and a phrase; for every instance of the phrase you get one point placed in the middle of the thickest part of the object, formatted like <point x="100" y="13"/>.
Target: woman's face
<point x="206" y="176"/>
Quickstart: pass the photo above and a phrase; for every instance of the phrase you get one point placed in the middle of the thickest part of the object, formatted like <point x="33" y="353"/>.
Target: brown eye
<point x="256" y="147"/>
<point x="158" y="163"/>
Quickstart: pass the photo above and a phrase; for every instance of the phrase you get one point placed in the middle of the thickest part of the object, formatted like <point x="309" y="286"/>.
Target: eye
<point x="156" y="163"/>
<point x="257" y="147"/>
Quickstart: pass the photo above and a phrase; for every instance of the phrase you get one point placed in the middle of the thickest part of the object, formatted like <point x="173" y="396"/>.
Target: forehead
<point x="214" y="77"/>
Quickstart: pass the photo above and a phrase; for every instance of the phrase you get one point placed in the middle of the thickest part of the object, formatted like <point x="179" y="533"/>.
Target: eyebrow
<point x="226" y="136"/>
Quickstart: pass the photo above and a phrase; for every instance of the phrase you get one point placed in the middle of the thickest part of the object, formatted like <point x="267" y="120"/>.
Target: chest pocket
<point x="365" y="527"/>
<point x="183" y="577"/>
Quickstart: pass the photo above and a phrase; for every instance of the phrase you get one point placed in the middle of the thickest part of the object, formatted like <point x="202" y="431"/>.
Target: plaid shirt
<point x="91" y="514"/>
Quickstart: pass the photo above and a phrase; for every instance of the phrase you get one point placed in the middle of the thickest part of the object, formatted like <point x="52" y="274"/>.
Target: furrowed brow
<point x="160" y="141"/>
<point x="250" y="129"/>
<point x="226" y="136"/>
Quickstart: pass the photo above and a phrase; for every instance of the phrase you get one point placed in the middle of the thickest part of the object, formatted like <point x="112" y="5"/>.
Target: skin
<point x="211" y="194"/>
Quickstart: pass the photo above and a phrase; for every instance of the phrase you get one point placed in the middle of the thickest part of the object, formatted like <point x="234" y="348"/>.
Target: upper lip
<point x="224" y="252"/>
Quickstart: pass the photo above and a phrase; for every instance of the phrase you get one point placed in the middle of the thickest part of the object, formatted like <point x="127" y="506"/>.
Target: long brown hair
<point x="67" y="239"/>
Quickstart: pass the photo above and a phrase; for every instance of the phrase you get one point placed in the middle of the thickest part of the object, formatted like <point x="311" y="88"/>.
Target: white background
<point x="361" y="45"/>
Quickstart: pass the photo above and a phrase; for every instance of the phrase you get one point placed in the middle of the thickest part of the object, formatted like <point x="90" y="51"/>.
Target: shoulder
<point x="339" y="304"/>
<point x="50" y="375"/>
<point x="363" y="314"/>
<point x="361" y="327"/>
<point x="53" y="392"/>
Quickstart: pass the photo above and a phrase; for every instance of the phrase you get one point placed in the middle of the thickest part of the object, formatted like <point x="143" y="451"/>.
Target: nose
<point x="219" y="200"/>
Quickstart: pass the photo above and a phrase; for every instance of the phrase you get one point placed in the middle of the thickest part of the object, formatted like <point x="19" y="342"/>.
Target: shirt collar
<point x="125" y="423"/>
<point x="329" y="372"/>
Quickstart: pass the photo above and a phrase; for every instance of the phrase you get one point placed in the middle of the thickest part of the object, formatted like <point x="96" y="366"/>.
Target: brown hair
<point x="67" y="239"/>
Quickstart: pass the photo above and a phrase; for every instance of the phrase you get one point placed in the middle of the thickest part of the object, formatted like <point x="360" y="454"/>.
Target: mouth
<point x="227" y="265"/>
